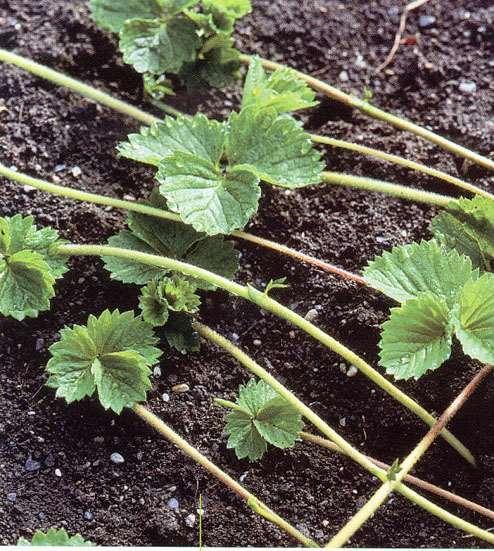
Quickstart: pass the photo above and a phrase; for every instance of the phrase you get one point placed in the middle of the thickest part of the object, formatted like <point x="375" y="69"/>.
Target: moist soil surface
<point x="48" y="131"/>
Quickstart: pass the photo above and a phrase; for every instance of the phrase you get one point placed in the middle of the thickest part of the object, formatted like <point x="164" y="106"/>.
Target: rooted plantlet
<point x="55" y="538"/>
<point x="28" y="267"/>
<point x="111" y="354"/>
<point x="442" y="295"/>
<point x="260" y="417"/>
<point x="185" y="37"/>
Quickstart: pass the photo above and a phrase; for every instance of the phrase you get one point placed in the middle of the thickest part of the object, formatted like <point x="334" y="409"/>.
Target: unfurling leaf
<point x="112" y="14"/>
<point x="156" y="46"/>
<point x="467" y="225"/>
<point x="279" y="283"/>
<point x="55" y="538"/>
<point x="262" y="417"/>
<point x="409" y="270"/>
<point x="172" y="239"/>
<point x="111" y="354"/>
<point x="282" y="90"/>
<point x="417" y="337"/>
<point x="273" y="147"/>
<point x="475" y="321"/>
<point x="180" y="334"/>
<point x="162" y="295"/>
<point x="28" y="267"/>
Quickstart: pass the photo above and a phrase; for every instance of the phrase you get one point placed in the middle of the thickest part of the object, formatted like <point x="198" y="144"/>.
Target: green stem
<point x="342" y="445"/>
<point x="379" y="186"/>
<point x="228" y="404"/>
<point x="270" y="305"/>
<point x="157" y="424"/>
<point x="83" y="89"/>
<point x="376" y="113"/>
<point x="390" y="485"/>
<point x="122" y="107"/>
<point x="395" y="159"/>
<point x="71" y="193"/>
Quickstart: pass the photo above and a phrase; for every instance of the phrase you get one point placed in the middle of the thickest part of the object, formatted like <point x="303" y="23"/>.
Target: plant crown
<point x="260" y="417"/>
<point x="441" y="295"/>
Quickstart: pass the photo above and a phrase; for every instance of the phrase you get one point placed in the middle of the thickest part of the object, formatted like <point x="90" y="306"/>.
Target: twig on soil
<point x="380" y="496"/>
<point x="399" y="33"/>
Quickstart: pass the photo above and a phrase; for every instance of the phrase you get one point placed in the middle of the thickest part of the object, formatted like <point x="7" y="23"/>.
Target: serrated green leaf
<point x="219" y="16"/>
<point x="475" y="321"/>
<point x="112" y="14"/>
<point x="174" y="7"/>
<point x="18" y="233"/>
<point x="274" y="147"/>
<point x="196" y="135"/>
<point x="417" y="337"/>
<point x="208" y="200"/>
<point x="26" y="285"/>
<point x="153" y="306"/>
<point x="112" y="354"/>
<point x="180" y="334"/>
<point x="122" y="379"/>
<point x="262" y="417"/>
<point x="468" y="226"/>
<point x="409" y="270"/>
<point x="283" y="90"/>
<point x="173" y="239"/>
<point x="55" y="538"/>
<point x="158" y="46"/>
<point x="279" y="283"/>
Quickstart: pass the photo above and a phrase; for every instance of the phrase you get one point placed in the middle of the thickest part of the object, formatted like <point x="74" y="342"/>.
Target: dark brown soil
<point x="45" y="126"/>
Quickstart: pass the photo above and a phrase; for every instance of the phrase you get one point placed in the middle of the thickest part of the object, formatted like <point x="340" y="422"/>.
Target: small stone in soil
<point x="343" y="76"/>
<point x="58" y="473"/>
<point x="31" y="465"/>
<point x="426" y="21"/>
<point x="190" y="520"/>
<point x="157" y="371"/>
<point x="181" y="388"/>
<point x="40" y="344"/>
<point x="12" y="497"/>
<point x="257" y="342"/>
<point x="165" y="397"/>
<point x="352" y="371"/>
<point x="173" y="503"/>
<point x="117" y="458"/>
<point x="312" y="315"/>
<point x="467" y="87"/>
<point x="88" y="515"/>
<point x="343" y="421"/>
<point x="76" y="171"/>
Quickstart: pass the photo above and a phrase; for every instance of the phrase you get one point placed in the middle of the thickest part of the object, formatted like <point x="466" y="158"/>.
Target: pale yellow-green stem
<point x="376" y="113"/>
<point x="390" y="485"/>
<point x="252" y="501"/>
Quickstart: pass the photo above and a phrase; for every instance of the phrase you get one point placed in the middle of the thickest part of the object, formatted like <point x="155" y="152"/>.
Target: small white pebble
<point x="58" y="473"/>
<point x="325" y="523"/>
<point x="76" y="171"/>
<point x="157" y="371"/>
<point x="165" y="397"/>
<point x="256" y="342"/>
<point x="190" y="520"/>
<point x="343" y="368"/>
<point x="352" y="371"/>
<point x="117" y="458"/>
<point x="343" y="421"/>
<point x="312" y="315"/>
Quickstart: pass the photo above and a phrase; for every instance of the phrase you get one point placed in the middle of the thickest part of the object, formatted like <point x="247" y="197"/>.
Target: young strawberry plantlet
<point x="260" y="416"/>
<point x="188" y="38"/>
<point x="111" y="356"/>
<point x="55" y="538"/>
<point x="441" y="295"/>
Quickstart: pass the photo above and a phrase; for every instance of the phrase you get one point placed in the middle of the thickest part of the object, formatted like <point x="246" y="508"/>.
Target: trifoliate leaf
<point x="475" y="321"/>
<point x="180" y="334"/>
<point x="195" y="135"/>
<point x="55" y="538"/>
<point x="26" y="285"/>
<point x="112" y="14"/>
<point x="158" y="46"/>
<point x="18" y="233"/>
<point x="417" y="337"/>
<point x="170" y="293"/>
<point x="111" y="354"/>
<point x="262" y="417"/>
<point x="173" y="239"/>
<point x="209" y="200"/>
<point x="468" y="226"/>
<point x="274" y="147"/>
<point x="409" y="270"/>
<point x="283" y="90"/>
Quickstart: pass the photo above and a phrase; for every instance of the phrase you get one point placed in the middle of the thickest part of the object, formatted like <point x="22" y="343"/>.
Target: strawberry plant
<point x="55" y="538"/>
